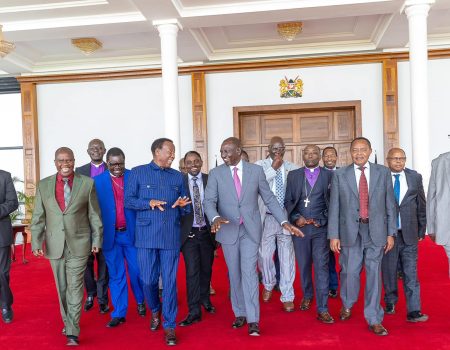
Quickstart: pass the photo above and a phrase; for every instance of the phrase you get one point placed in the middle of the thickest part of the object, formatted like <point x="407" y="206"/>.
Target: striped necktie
<point x="66" y="192"/>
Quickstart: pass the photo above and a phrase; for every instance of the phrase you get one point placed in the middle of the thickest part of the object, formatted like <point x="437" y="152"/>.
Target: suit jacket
<point x="412" y="208"/>
<point x="54" y="227"/>
<point x="154" y="228"/>
<point x="8" y="203"/>
<point x="438" y="203"/>
<point x="105" y="194"/>
<point x="86" y="169"/>
<point x="270" y="174"/>
<point x="295" y="185"/>
<point x="188" y="219"/>
<point x="343" y="213"/>
<point x="221" y="200"/>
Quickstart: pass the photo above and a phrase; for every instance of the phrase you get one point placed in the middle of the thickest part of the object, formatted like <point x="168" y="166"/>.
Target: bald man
<point x="411" y="225"/>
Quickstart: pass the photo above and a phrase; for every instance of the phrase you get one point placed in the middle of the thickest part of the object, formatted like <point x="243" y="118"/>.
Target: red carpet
<point x="37" y="323"/>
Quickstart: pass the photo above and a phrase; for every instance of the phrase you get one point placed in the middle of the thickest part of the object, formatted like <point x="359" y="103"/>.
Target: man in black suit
<point x="8" y="203"/>
<point x="411" y="224"/>
<point x="306" y="202"/>
<point x="96" y="150"/>
<point x="329" y="159"/>
<point x="197" y="242"/>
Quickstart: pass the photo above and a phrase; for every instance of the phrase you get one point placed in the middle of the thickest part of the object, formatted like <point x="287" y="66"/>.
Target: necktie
<point x="197" y="202"/>
<point x="66" y="192"/>
<point x="363" y="195"/>
<point x="279" y="188"/>
<point x="397" y="194"/>
<point x="237" y="182"/>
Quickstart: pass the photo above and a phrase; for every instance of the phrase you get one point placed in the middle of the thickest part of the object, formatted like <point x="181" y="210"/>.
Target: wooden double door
<point x="323" y="124"/>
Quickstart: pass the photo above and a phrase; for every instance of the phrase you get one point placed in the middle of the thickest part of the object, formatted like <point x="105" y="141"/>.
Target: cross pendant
<point x="306" y="202"/>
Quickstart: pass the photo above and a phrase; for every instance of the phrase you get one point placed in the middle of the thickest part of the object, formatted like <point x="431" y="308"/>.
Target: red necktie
<point x="363" y="195"/>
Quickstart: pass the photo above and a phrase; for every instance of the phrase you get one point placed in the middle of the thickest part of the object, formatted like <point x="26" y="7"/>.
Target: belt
<point x="199" y="229"/>
<point x="121" y="229"/>
<point x="364" y="220"/>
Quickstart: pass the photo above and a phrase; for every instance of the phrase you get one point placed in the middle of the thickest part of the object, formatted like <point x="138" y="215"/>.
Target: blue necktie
<point x="397" y="194"/>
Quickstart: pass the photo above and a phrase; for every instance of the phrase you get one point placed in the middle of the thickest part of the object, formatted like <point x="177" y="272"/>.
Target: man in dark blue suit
<point x="118" y="236"/>
<point x="158" y="195"/>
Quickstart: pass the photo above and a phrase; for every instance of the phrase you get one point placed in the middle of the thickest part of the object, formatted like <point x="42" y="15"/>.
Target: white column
<point x="417" y="13"/>
<point x="168" y="31"/>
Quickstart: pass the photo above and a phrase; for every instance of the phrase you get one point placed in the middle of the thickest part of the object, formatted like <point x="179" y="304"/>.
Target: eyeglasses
<point x="397" y="159"/>
<point x="278" y="149"/>
<point x="114" y="165"/>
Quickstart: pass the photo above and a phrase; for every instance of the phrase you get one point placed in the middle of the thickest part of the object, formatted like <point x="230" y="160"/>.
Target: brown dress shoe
<point x="239" y="322"/>
<point x="305" y="304"/>
<point x="170" y="337"/>
<point x="155" y="321"/>
<point x="378" y="329"/>
<point x="345" y="313"/>
<point x="266" y="295"/>
<point x="288" y="306"/>
<point x="325" y="317"/>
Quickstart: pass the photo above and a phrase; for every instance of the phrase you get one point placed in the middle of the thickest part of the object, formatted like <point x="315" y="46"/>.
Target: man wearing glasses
<point x="411" y="224"/>
<point x="66" y="219"/>
<point x="276" y="170"/>
<point x="118" y="237"/>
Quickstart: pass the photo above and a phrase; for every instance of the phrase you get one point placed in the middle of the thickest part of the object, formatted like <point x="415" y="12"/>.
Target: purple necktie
<point x="237" y="182"/>
<point x="237" y="185"/>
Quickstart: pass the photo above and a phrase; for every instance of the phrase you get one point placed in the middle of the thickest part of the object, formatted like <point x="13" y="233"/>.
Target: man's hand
<point x="277" y="162"/>
<point x="335" y="245"/>
<point x="38" y="252"/>
<point x="432" y="237"/>
<point x="300" y="222"/>
<point x="389" y="245"/>
<point x="95" y="250"/>
<point x="158" y="204"/>
<point x="295" y="231"/>
<point x="215" y="226"/>
<point x="182" y="202"/>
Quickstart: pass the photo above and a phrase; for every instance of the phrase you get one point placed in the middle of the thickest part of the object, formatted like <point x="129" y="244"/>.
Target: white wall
<point x="439" y="107"/>
<point x="123" y="113"/>
<point x="321" y="84"/>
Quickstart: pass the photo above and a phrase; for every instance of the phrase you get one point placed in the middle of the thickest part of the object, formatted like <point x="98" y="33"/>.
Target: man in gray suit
<point x="361" y="226"/>
<point x="411" y="223"/>
<point x="8" y="203"/>
<point x="231" y="205"/>
<point x="438" y="203"/>
<point x="276" y="171"/>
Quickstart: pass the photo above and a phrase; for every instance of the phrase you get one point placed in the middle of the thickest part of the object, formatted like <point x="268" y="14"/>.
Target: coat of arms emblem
<point x="291" y="87"/>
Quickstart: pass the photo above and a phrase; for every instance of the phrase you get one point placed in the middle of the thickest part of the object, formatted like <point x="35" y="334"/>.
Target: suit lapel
<point x="374" y="177"/>
<point x="52" y="190"/>
<point x="409" y="182"/>
<point x="246" y="171"/>
<point x="228" y="178"/>
<point x="351" y="179"/>
<point x="77" y="181"/>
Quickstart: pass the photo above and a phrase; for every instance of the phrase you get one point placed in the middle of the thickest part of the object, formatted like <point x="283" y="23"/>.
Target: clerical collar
<point x="117" y="177"/>
<point x="312" y="169"/>
<point x="97" y="166"/>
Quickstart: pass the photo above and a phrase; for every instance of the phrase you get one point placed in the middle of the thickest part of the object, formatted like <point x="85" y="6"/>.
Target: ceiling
<point x="213" y="31"/>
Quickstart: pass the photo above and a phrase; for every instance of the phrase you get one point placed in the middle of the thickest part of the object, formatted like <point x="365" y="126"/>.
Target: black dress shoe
<point x="390" y="309"/>
<point x="72" y="340"/>
<point x="253" y="329"/>
<point x="141" y="309"/>
<point x="89" y="303"/>
<point x="104" y="308"/>
<point x="155" y="321"/>
<point x="7" y="315"/>
<point x="189" y="320"/>
<point x="116" y="321"/>
<point x="416" y="316"/>
<point x="170" y="337"/>
<point x="239" y="322"/>
<point x="209" y="308"/>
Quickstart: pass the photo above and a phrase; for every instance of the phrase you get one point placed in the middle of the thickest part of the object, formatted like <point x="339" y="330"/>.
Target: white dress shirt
<point x="403" y="189"/>
<point x="366" y="172"/>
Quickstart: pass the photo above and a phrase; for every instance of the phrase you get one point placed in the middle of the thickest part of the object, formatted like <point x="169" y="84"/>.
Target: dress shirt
<point x="119" y="199"/>
<point x="97" y="169"/>
<point x="59" y="190"/>
<point x="239" y="172"/>
<point x="366" y="172"/>
<point x="191" y="190"/>
<point x="403" y="189"/>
